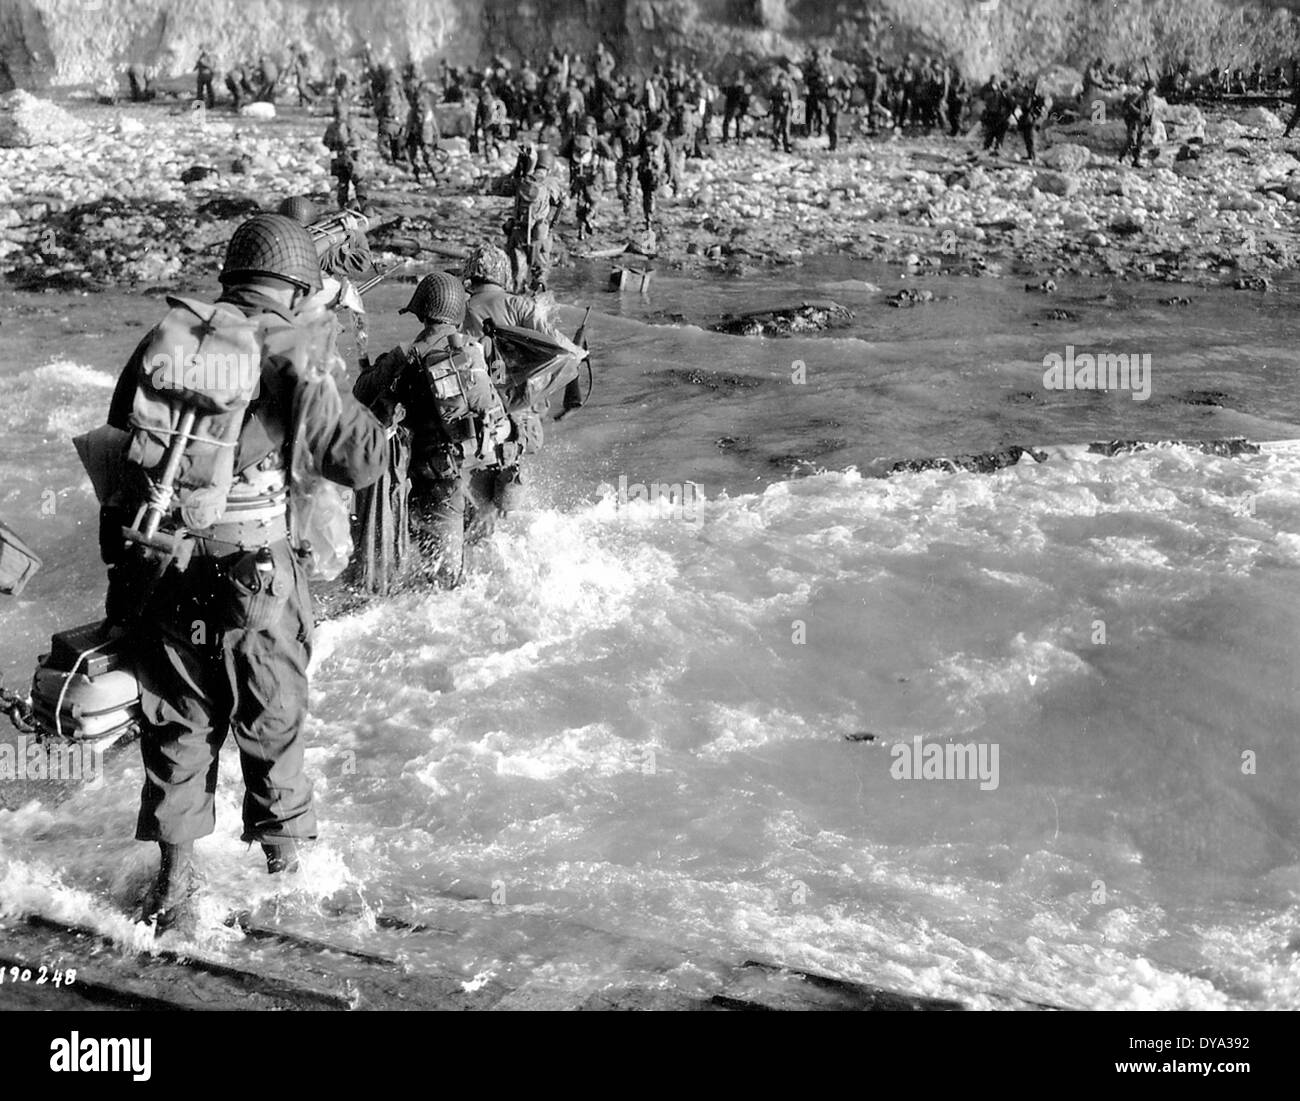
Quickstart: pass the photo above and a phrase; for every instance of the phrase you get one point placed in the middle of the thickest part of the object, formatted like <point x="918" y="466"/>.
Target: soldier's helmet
<point x="275" y="246"/>
<point x="589" y="123"/>
<point x="487" y="264"/>
<point x="300" y="208"/>
<point x="545" y="157"/>
<point x="438" y="297"/>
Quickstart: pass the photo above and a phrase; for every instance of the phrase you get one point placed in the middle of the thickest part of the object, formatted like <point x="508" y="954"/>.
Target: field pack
<point x="206" y="358"/>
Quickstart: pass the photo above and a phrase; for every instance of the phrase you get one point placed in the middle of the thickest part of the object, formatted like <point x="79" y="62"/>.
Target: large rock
<point x="1261" y="118"/>
<point x="1240" y="200"/>
<point x="27" y="121"/>
<point x="1183" y="121"/>
<point x="1056" y="183"/>
<point x="1066" y="157"/>
<point x="259" y="110"/>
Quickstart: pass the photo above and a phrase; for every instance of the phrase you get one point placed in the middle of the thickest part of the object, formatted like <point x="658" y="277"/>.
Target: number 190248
<point x="56" y="976"/>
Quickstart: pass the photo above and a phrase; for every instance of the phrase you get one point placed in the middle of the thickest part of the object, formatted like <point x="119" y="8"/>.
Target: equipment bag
<point x="468" y="406"/>
<point x="206" y="358"/>
<point x="17" y="562"/>
<point x="537" y="367"/>
<point x="85" y="688"/>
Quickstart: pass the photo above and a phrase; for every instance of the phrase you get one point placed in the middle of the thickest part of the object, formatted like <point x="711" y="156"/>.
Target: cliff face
<point x="64" y="42"/>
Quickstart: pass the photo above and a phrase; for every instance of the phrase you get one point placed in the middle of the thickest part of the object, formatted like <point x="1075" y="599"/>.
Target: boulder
<point x="27" y="121"/>
<point x="1240" y="200"/>
<point x="1261" y="118"/>
<point x="1183" y="121"/>
<point x="197" y="172"/>
<point x="258" y="110"/>
<point x="1130" y="221"/>
<point x="127" y="126"/>
<point x="1066" y="157"/>
<point x="1056" y="183"/>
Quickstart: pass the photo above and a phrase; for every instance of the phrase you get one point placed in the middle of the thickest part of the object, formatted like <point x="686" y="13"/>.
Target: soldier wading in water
<point x="216" y="604"/>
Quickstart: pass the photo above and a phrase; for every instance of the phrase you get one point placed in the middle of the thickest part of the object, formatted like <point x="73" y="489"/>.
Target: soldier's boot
<point x="171" y="902"/>
<point x="281" y="856"/>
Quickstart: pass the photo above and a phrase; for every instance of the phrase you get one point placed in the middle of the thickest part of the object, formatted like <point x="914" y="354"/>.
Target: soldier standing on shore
<point x="343" y="140"/>
<point x="780" y="101"/>
<point x="206" y="72"/>
<point x="422" y="136"/>
<point x="1139" y="110"/>
<point x="835" y="100"/>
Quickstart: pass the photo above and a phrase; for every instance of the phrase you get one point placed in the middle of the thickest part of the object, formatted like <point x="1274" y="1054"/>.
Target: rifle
<point x="375" y="280"/>
<point x="359" y="320"/>
<point x="574" y="398"/>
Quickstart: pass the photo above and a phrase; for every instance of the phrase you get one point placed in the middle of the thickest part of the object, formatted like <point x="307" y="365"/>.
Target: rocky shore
<point x="94" y="196"/>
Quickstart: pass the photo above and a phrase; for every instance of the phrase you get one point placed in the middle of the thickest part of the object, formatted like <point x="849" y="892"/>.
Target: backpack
<point x="532" y="203"/>
<point x="536" y="366"/>
<point x="207" y="358"/>
<point x="464" y="404"/>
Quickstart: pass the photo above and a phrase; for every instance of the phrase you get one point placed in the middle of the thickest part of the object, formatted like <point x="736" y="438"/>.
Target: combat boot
<point x="171" y="902"/>
<point x="281" y="857"/>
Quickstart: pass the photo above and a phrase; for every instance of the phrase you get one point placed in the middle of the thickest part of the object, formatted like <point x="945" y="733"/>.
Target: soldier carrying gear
<point x="489" y="123"/>
<point x="998" y="109"/>
<point x="343" y="140"/>
<point x="487" y="274"/>
<point x="781" y="100"/>
<point x="627" y="141"/>
<point x="1139" y="111"/>
<point x="956" y="100"/>
<point x="457" y="424"/>
<point x="422" y="135"/>
<point x="585" y="151"/>
<point x="653" y="163"/>
<point x="389" y="103"/>
<point x="683" y="122"/>
<point x="539" y="200"/>
<point x="235" y="83"/>
<point x="221" y="633"/>
<point x="268" y="75"/>
<point x="835" y="99"/>
<point x="1033" y="108"/>
<point x="206" y="72"/>
<point x="735" y="107"/>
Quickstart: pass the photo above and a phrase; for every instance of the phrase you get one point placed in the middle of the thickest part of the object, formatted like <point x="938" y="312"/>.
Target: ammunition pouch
<point x="439" y="464"/>
<point x="251" y="589"/>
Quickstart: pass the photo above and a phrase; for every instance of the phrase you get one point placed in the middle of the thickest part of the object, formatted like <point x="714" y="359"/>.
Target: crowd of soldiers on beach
<point x="636" y="131"/>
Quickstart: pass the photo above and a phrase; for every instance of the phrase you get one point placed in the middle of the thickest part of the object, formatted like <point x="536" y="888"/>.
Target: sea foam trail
<point x="637" y="719"/>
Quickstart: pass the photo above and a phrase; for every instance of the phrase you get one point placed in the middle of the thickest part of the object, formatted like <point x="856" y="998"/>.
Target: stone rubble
<point x="149" y="196"/>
